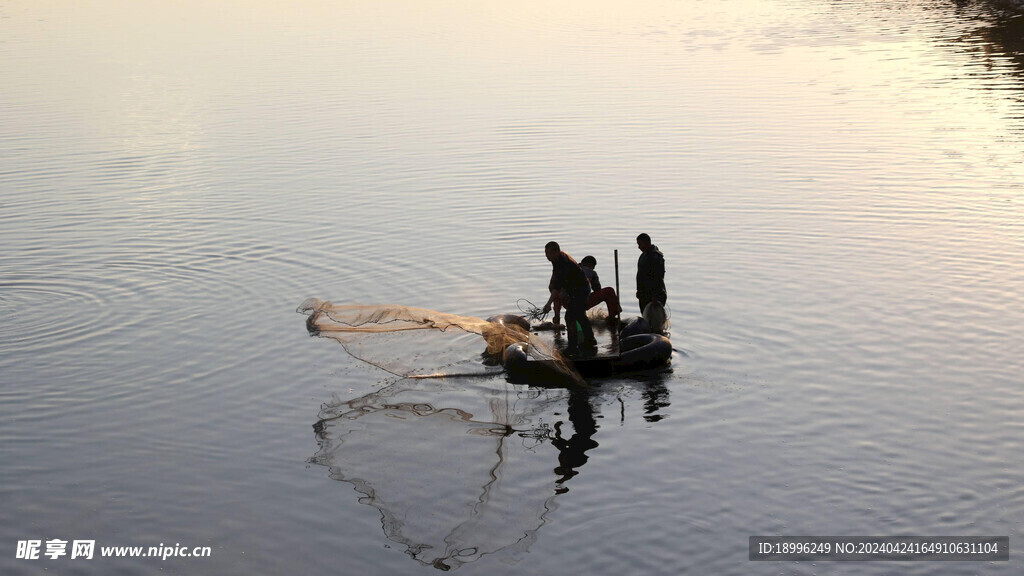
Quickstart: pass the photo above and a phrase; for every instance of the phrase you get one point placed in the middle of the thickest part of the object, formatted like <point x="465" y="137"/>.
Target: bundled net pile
<point x="402" y="340"/>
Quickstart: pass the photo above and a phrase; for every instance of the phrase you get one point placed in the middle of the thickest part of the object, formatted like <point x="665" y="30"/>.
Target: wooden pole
<point x="618" y="294"/>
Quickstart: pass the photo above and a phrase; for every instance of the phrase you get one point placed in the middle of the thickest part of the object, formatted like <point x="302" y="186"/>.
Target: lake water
<point x="836" y="187"/>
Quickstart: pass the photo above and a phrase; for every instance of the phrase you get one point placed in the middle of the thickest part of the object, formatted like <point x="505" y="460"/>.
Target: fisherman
<point x="599" y="294"/>
<point x="650" y="273"/>
<point x="569" y="285"/>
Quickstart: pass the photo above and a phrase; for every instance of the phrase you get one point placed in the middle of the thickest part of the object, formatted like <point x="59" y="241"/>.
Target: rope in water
<point x="532" y="311"/>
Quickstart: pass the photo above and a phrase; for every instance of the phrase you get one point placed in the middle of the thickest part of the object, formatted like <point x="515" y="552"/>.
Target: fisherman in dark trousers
<point x="570" y="285"/>
<point x="650" y="273"/>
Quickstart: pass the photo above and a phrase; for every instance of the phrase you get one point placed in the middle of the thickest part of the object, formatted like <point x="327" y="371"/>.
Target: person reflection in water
<point x="656" y="398"/>
<point x="572" y="452"/>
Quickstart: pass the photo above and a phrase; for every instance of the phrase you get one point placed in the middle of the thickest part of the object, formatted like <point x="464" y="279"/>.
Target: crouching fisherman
<point x="599" y="294"/>
<point x="569" y="285"/>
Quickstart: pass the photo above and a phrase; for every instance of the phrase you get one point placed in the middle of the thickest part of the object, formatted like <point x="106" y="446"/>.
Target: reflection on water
<point x="459" y="472"/>
<point x="572" y="451"/>
<point x="998" y="35"/>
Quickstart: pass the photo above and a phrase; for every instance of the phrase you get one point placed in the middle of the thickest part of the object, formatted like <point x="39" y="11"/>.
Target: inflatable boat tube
<point x="521" y="370"/>
<point x="634" y="327"/>
<point x="511" y="320"/>
<point x="515" y="360"/>
<point x="502" y="330"/>
<point x="643" y="351"/>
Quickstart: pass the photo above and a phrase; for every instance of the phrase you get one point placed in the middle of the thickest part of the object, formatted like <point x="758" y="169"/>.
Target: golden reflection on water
<point x="776" y="101"/>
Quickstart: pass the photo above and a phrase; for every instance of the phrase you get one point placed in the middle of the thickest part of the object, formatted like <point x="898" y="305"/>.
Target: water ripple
<point x="42" y="313"/>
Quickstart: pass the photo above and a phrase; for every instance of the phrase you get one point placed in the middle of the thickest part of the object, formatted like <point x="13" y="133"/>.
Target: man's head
<point x="643" y="242"/>
<point x="589" y="262"/>
<point x="551" y="250"/>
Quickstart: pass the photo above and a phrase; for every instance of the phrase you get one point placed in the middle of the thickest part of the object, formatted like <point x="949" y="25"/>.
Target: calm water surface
<point x="837" y="188"/>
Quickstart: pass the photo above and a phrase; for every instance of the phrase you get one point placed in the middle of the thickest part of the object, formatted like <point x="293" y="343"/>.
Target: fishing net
<point x="457" y="472"/>
<point x="402" y="340"/>
<point x="530" y="310"/>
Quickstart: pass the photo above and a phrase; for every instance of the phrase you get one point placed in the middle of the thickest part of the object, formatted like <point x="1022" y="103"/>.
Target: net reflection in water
<point x="456" y="473"/>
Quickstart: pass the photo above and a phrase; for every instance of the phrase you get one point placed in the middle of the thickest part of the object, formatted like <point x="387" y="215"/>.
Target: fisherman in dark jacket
<point x="570" y="285"/>
<point x="650" y="273"/>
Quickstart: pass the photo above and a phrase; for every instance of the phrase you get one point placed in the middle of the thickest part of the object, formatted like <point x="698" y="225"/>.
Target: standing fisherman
<point x="570" y="285"/>
<point x="650" y="273"/>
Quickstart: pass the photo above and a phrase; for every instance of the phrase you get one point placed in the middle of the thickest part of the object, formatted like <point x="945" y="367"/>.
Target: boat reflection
<point x="998" y="38"/>
<point x="464" y="469"/>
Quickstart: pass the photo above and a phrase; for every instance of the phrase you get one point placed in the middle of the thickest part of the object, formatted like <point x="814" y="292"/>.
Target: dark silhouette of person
<point x="569" y="284"/>
<point x="650" y="273"/>
<point x="572" y="452"/>
<point x="599" y="294"/>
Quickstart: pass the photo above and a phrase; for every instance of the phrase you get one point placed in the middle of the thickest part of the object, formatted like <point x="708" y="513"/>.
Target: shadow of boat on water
<point x="463" y="469"/>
